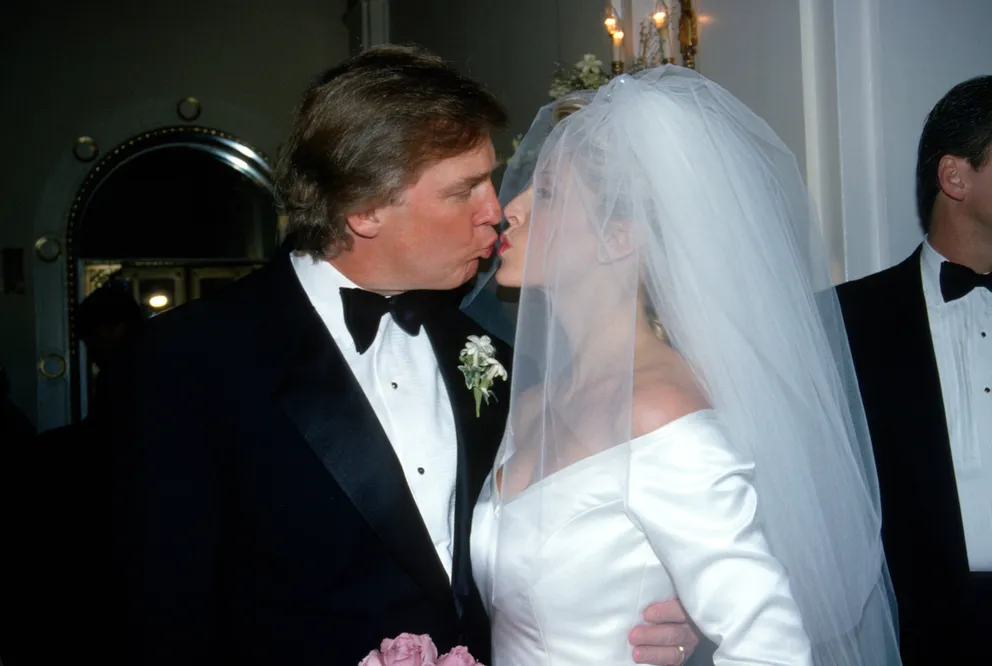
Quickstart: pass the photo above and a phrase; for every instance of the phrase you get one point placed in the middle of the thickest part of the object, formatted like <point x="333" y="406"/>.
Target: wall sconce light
<point x="617" y="64"/>
<point x="611" y="21"/>
<point x="158" y="300"/>
<point x="667" y="35"/>
<point x="615" y="30"/>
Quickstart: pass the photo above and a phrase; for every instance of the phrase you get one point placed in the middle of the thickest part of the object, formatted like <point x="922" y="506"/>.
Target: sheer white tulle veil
<point x="665" y="194"/>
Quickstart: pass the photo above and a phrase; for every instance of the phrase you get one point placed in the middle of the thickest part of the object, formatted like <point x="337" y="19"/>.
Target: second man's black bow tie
<point x="957" y="281"/>
<point x="363" y="310"/>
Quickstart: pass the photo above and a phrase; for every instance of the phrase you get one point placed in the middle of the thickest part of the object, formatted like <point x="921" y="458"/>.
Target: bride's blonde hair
<point x="567" y="106"/>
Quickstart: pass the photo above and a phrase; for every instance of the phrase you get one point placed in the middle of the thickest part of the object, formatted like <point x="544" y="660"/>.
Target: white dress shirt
<point x="401" y="379"/>
<point x="962" y="342"/>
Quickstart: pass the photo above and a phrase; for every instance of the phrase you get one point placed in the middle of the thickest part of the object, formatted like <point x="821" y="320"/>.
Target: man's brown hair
<point x="960" y="124"/>
<point x="366" y="130"/>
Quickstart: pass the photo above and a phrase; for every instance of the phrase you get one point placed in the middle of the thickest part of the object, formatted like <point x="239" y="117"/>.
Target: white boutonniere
<point x="480" y="367"/>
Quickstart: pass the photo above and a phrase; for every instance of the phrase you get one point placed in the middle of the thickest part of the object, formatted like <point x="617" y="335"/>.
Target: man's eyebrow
<point x="471" y="181"/>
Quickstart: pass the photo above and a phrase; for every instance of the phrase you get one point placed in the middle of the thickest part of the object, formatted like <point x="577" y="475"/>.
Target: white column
<point x="860" y="138"/>
<point x="375" y="22"/>
<point x="819" y="76"/>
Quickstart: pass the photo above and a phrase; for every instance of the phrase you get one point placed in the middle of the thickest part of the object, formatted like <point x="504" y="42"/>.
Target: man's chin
<point x="471" y="270"/>
<point x="456" y="279"/>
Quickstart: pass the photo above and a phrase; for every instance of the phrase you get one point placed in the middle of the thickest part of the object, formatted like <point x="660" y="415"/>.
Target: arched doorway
<point x="170" y="215"/>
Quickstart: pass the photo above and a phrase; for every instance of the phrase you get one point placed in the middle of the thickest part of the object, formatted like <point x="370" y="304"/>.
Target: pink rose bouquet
<point x="412" y="650"/>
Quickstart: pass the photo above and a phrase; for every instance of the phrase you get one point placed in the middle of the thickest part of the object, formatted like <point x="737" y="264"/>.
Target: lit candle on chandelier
<point x="618" y="46"/>
<point x="610" y="20"/>
<point x="666" y="44"/>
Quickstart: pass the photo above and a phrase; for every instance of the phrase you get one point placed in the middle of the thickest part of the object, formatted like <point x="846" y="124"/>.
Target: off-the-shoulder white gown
<point x="580" y="556"/>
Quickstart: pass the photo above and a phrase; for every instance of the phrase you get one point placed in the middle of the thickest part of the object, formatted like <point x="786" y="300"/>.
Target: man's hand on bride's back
<point x="667" y="639"/>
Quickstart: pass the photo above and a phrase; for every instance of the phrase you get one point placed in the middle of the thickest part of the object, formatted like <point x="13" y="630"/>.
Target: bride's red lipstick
<point x="504" y="244"/>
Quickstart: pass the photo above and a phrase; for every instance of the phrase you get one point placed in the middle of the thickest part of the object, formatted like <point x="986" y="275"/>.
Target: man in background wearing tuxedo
<point x="921" y="338"/>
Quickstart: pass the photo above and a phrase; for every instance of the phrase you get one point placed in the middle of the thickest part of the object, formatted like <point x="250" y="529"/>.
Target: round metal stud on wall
<point x="48" y="249"/>
<point x="189" y="109"/>
<point x="52" y="366"/>
<point x="85" y="149"/>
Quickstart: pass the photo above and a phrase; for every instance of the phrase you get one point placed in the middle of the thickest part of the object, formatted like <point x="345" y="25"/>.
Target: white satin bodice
<point x="568" y="566"/>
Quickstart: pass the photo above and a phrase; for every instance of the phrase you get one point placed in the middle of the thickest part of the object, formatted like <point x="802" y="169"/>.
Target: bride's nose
<point x="515" y="214"/>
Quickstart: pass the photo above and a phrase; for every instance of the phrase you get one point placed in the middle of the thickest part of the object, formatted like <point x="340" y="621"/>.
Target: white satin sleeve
<point x="692" y="496"/>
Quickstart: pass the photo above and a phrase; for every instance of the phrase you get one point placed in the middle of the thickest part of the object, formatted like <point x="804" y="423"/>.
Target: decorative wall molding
<point x="375" y="22"/>
<point x="842" y="118"/>
<point x="819" y="75"/>
<point x="862" y="169"/>
<point x="51" y="279"/>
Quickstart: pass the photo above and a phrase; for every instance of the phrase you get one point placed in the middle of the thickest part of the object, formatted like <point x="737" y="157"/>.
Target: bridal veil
<point x="664" y="195"/>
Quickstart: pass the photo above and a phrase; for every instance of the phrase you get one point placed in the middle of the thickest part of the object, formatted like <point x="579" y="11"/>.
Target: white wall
<point x="892" y="60"/>
<point x="926" y="48"/>
<point x="510" y="45"/>
<point x="753" y="50"/>
<point x="847" y="85"/>
<point x="112" y="68"/>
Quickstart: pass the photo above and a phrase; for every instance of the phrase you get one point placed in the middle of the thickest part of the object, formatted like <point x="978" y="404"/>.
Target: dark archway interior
<point x="169" y="216"/>
<point x="178" y="202"/>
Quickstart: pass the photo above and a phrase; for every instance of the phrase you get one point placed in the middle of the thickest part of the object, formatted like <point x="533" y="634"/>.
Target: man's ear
<point x="953" y="175"/>
<point x="365" y="224"/>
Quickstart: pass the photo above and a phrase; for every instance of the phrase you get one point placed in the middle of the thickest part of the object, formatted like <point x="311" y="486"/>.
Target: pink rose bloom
<point x="408" y="650"/>
<point x="373" y="659"/>
<point x="458" y="657"/>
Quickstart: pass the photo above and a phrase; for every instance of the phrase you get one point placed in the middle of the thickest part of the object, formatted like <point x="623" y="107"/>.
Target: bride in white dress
<point x="684" y="419"/>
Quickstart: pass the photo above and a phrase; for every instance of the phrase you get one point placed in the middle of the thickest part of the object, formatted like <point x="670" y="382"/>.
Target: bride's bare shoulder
<point x="664" y="392"/>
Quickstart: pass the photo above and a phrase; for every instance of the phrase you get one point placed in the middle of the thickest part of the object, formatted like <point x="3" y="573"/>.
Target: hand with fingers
<point x="667" y="639"/>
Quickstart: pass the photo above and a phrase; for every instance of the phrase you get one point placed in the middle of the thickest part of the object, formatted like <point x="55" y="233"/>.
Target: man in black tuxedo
<point x="921" y="338"/>
<point x="297" y="458"/>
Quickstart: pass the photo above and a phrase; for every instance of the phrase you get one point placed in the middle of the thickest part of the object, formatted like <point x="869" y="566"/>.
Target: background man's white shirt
<point x="962" y="342"/>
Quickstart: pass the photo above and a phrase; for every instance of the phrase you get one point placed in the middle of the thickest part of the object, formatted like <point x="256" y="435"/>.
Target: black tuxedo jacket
<point x="938" y="599"/>
<point x="260" y="513"/>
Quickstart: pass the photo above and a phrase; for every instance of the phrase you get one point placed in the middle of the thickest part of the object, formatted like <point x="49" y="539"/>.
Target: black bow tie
<point x="957" y="281"/>
<point x="363" y="311"/>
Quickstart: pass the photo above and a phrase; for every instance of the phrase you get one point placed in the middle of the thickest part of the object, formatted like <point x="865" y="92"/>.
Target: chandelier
<point x="667" y="33"/>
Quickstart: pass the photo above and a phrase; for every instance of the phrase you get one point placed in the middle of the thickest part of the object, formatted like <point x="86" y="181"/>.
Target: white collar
<point x="322" y="283"/>
<point x="330" y="277"/>
<point x="930" y="261"/>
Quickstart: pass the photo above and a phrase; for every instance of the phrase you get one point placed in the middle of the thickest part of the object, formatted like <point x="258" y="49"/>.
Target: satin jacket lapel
<point x="914" y="354"/>
<point x="920" y="406"/>
<point x="325" y="402"/>
<point x="478" y="437"/>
